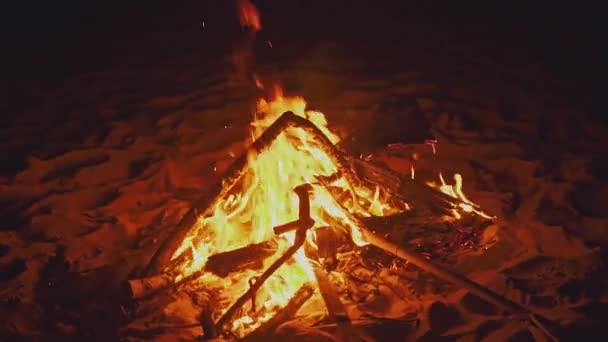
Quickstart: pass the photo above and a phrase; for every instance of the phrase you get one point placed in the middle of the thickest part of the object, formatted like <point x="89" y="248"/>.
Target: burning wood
<point x="248" y="257"/>
<point x="241" y="228"/>
<point x="205" y="205"/>
<point x="302" y="225"/>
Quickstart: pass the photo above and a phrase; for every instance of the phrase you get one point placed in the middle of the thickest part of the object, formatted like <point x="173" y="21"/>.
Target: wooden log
<point x="285" y="314"/>
<point x="404" y="188"/>
<point x="385" y="223"/>
<point x="335" y="308"/>
<point x="248" y="257"/>
<point x="376" y="174"/>
<point x="144" y="287"/>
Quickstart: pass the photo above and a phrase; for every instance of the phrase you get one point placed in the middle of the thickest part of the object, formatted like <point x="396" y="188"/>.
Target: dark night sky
<point x="56" y="38"/>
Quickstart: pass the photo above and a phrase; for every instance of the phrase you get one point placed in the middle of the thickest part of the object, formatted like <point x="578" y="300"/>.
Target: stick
<point x="284" y="315"/>
<point x="442" y="272"/>
<point x="257" y="284"/>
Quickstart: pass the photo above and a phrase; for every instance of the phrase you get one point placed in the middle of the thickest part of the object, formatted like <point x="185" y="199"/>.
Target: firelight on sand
<point x="265" y="198"/>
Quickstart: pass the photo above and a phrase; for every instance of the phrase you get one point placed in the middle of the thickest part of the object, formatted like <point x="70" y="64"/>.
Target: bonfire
<point x="286" y="224"/>
<point x="292" y="219"/>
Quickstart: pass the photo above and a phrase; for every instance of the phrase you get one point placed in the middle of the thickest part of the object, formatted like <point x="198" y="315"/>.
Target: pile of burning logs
<point x="154" y="278"/>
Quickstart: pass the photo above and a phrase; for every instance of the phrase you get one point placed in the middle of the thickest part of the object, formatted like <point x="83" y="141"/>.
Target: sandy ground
<point x="102" y="164"/>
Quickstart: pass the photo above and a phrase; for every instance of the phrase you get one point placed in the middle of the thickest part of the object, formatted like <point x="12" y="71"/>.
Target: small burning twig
<point x="303" y="224"/>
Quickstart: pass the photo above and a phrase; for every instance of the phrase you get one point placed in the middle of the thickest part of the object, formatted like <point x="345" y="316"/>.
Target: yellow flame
<point x="455" y="191"/>
<point x="264" y="198"/>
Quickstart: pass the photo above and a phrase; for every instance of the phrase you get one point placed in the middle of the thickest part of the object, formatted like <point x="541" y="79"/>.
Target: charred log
<point x="249" y="257"/>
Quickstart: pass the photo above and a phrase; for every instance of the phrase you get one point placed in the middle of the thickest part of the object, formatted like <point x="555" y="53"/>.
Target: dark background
<point x="49" y="40"/>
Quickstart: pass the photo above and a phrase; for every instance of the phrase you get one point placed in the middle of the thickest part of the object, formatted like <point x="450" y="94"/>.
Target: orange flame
<point x="455" y="191"/>
<point x="249" y="15"/>
<point x="265" y="199"/>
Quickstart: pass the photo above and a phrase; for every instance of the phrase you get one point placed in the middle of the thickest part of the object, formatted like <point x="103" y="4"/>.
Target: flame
<point x="455" y="191"/>
<point x="264" y="198"/>
<point x="249" y="15"/>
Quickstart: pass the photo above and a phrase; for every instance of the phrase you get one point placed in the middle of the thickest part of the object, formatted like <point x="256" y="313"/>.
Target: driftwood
<point x="285" y="314"/>
<point x="248" y="257"/>
<point x="235" y="172"/>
